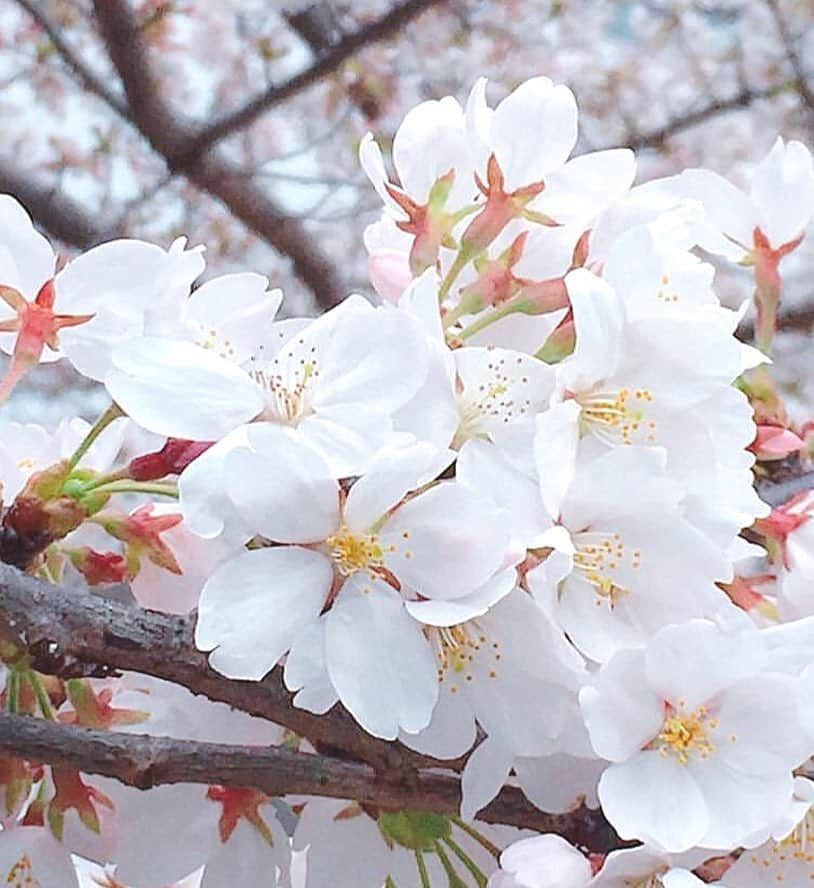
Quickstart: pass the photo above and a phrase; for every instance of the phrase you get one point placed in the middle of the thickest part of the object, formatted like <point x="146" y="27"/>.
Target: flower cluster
<point x="499" y="515"/>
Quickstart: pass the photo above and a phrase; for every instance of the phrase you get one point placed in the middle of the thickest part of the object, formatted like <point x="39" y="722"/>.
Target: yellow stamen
<point x="684" y="734"/>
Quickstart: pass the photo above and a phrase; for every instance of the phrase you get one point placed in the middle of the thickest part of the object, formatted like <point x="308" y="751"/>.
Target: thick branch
<point x="75" y="633"/>
<point x="57" y="214"/>
<point x="329" y="62"/>
<point x="171" y="137"/>
<point x="144" y="761"/>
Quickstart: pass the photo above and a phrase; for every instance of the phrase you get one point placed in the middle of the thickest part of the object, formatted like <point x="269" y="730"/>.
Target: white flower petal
<point x="180" y="390"/>
<point x="281" y="487"/>
<point x="379" y="661"/>
<point x="253" y="608"/>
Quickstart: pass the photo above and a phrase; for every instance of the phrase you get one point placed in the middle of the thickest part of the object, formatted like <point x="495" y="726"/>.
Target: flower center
<point x="211" y="339"/>
<point x="598" y="555"/>
<point x="618" y="416"/>
<point x="288" y="384"/>
<point x="21" y="874"/>
<point x="684" y="735"/>
<point x="651" y="881"/>
<point x="498" y="397"/>
<point x="797" y="848"/>
<point x="354" y="551"/>
<point x="455" y="650"/>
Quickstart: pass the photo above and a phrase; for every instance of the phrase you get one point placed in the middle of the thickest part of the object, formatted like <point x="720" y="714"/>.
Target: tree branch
<point x="75" y="633"/>
<point x="379" y="29"/>
<point x="57" y="214"/>
<point x="89" y="79"/>
<point x="145" y="761"/>
<point x="656" y="138"/>
<point x="801" y="81"/>
<point x="69" y="633"/>
<point x="171" y="137"/>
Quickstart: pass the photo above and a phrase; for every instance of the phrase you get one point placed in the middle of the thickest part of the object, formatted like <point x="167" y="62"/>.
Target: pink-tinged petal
<point x="379" y="661"/>
<point x="487" y="769"/>
<point x="392" y="474"/>
<point x="451" y="613"/>
<point x="253" y="608"/>
<point x="180" y="390"/>
<point x="455" y="541"/>
<point x="782" y="189"/>
<point x="533" y="131"/>
<point x="281" y="487"/>
<point x="654" y="799"/>
<point x="621" y="712"/>
<point x="587" y="185"/>
<point x="389" y="272"/>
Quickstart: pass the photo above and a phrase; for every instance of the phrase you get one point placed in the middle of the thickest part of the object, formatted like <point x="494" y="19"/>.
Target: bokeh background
<point x="238" y="125"/>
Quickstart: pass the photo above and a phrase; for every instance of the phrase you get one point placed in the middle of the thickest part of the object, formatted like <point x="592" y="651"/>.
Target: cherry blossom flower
<point x="315" y="383"/>
<point x="361" y="555"/>
<point x="693" y="763"/>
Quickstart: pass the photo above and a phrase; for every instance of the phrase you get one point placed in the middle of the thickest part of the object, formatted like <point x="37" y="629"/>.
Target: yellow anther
<point x="351" y="551"/>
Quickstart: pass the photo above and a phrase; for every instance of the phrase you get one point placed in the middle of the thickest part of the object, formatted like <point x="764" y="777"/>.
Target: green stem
<point x="457" y="267"/>
<point x="166" y="488"/>
<point x="454" y="313"/>
<point x="112" y="412"/>
<point x="43" y="700"/>
<point x="486" y="319"/>
<point x="422" y="870"/>
<point x="474" y="834"/>
<point x="453" y="879"/>
<point x="13" y="691"/>
<point x="466" y="860"/>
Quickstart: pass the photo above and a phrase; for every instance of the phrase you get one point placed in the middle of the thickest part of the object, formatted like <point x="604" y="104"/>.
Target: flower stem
<point x="478" y="837"/>
<point x="453" y="879"/>
<point x="466" y="860"/>
<point x="43" y="700"/>
<point x="13" y="691"/>
<point x="422" y="870"/>
<point x="461" y="259"/>
<point x="112" y="412"/>
<point x="165" y="488"/>
<point x="486" y="319"/>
